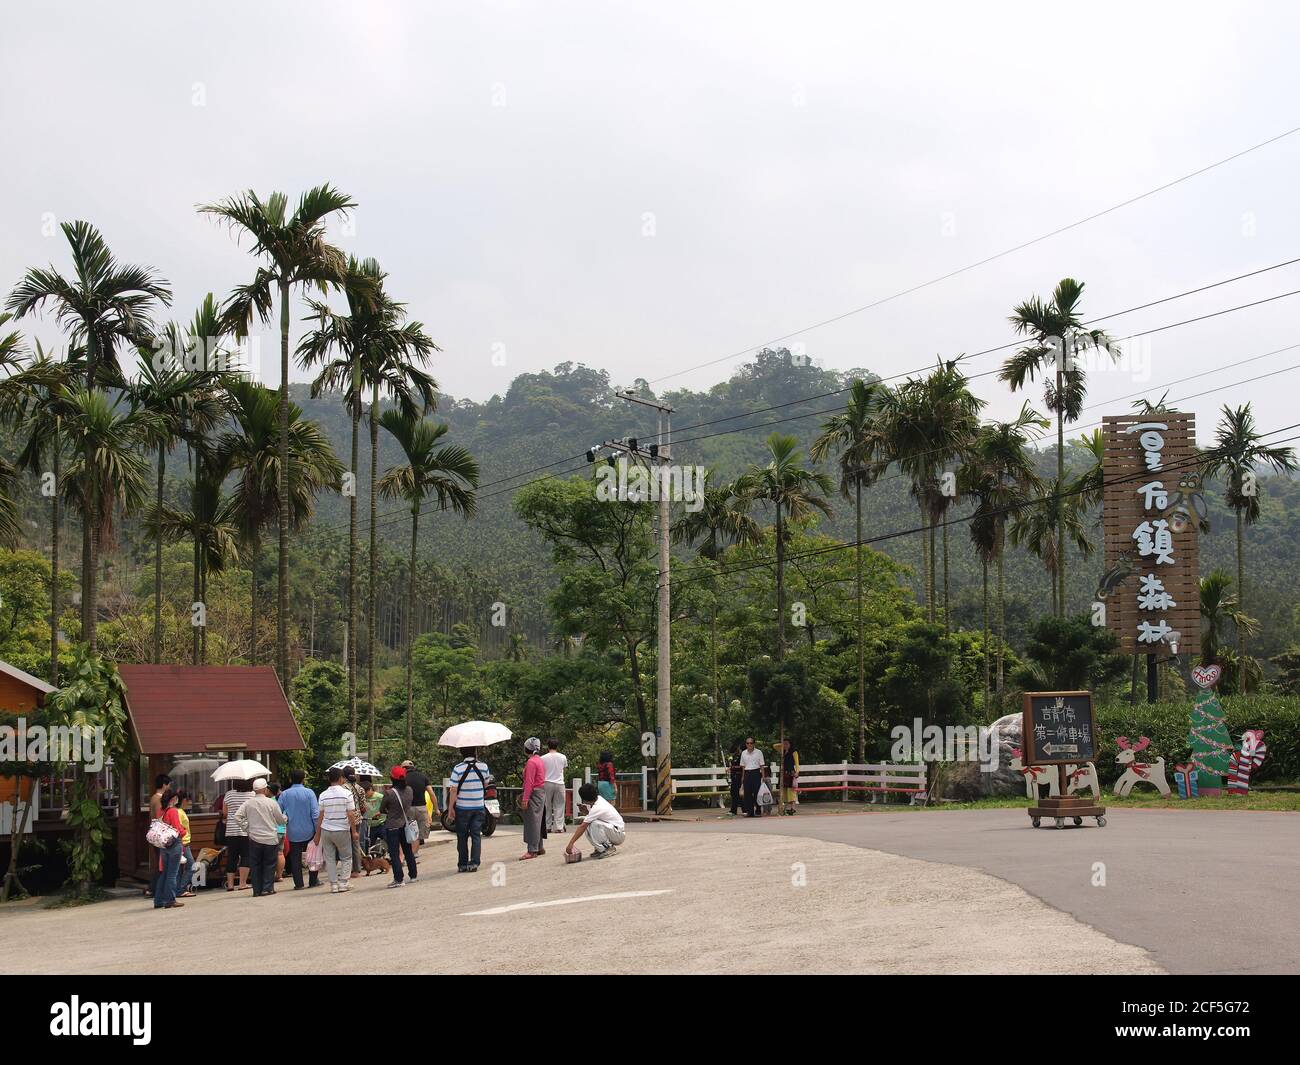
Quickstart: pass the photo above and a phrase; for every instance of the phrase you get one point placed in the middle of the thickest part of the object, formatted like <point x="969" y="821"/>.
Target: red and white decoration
<point x="1135" y="772"/>
<point x="1244" y="761"/>
<point x="1035" y="775"/>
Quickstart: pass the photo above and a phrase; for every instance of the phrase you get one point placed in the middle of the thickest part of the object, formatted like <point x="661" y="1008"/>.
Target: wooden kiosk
<point x="185" y="721"/>
<point x="1060" y="729"/>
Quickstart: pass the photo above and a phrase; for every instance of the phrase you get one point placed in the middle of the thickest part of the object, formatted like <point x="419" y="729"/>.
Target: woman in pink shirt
<point x="533" y="799"/>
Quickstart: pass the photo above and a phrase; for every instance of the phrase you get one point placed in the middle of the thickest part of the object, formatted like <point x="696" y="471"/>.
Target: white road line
<point x="566" y="902"/>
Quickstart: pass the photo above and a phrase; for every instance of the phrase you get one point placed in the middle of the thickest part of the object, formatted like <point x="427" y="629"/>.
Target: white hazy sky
<point x="793" y="161"/>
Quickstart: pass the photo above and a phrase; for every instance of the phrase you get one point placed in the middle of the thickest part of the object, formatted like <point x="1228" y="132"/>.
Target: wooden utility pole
<point x="659" y="454"/>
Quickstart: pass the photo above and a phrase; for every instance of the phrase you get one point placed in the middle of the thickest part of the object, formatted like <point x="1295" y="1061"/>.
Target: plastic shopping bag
<point x="315" y="856"/>
<point x="765" y="795"/>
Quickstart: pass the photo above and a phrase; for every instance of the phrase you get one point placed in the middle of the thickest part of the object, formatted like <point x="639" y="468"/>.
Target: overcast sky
<point x="647" y="187"/>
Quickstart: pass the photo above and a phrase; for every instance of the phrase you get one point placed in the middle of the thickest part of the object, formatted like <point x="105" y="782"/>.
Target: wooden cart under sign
<point x="1060" y="729"/>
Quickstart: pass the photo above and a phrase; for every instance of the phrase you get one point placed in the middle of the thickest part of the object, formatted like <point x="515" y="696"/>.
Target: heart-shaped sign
<point x="1206" y="676"/>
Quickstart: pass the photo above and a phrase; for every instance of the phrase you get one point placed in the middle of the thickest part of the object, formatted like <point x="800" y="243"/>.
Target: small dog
<point x="374" y="865"/>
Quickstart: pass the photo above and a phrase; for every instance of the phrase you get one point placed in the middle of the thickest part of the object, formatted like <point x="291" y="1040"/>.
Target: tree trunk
<point x="198" y="598"/>
<point x="203" y="598"/>
<point x="352" y="549"/>
<point x="87" y="545"/>
<point x="410" y="635"/>
<point x="947" y="623"/>
<point x="92" y="598"/>
<point x="1241" y="605"/>
<point x="713" y="661"/>
<point x="252" y="600"/>
<point x="987" y="661"/>
<point x="54" y="564"/>
<point x="1060" y="487"/>
<point x="157" y="563"/>
<point x="780" y="587"/>
<point x="637" y="694"/>
<point x="1002" y="628"/>
<point x="862" y="661"/>
<point x="925" y="562"/>
<point x="374" y="559"/>
<point x="282" y="487"/>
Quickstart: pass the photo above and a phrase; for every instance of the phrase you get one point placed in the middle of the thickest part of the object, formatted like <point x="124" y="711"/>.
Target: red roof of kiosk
<point x="178" y="709"/>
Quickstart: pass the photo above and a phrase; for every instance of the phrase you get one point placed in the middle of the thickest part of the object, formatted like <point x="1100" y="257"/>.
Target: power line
<point x="1009" y="344"/>
<point x="985" y="261"/>
<point x="390" y="518"/>
<point x="1195" y="460"/>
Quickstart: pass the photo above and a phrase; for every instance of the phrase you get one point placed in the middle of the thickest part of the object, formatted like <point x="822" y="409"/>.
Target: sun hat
<point x="532" y="745"/>
<point x="259" y="784"/>
<point x="397" y="773"/>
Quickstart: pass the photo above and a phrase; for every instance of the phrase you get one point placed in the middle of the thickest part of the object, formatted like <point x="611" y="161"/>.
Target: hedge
<point x="1167" y="725"/>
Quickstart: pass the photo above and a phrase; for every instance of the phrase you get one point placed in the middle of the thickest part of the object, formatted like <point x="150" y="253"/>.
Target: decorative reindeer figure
<point x="1035" y="775"/>
<point x="1152" y="773"/>
<point x="1082" y="778"/>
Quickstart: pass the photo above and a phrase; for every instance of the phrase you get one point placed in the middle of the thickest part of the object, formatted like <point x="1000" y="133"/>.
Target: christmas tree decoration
<point x="1185" y="779"/>
<point x="1209" y="739"/>
<point x="1135" y="772"/>
<point x="1244" y="761"/>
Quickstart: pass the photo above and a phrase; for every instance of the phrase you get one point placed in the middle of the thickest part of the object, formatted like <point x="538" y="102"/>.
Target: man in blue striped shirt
<point x="465" y="800"/>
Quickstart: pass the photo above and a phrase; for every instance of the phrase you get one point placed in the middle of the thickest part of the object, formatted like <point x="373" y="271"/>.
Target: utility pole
<point x="658" y="453"/>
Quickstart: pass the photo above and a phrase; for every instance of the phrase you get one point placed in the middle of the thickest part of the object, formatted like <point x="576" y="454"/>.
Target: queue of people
<point x="271" y="833"/>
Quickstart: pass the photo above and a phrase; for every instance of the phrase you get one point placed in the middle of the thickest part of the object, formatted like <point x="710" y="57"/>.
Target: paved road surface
<point x="675" y="899"/>
<point x="1204" y="891"/>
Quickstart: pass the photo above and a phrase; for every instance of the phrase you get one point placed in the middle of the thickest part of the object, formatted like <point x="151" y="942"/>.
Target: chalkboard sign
<point x="1059" y="727"/>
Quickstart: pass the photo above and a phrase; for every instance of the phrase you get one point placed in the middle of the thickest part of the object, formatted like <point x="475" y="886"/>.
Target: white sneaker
<point x="334" y="889"/>
<point x="396" y="883"/>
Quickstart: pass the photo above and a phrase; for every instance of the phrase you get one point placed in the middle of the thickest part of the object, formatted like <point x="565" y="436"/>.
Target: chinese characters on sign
<point x="1059" y="728"/>
<point x="1152" y="598"/>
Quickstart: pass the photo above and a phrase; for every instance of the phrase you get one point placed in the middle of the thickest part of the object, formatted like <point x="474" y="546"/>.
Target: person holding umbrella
<point x="533" y="799"/>
<point x="466" y="803"/>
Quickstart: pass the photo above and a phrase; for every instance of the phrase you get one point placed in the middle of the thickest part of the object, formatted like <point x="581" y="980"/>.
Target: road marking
<point x="566" y="902"/>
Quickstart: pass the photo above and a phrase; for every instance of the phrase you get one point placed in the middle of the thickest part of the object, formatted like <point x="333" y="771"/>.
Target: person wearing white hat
<point x="258" y="818"/>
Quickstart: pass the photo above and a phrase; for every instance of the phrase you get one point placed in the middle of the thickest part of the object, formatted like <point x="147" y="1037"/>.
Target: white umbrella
<point x="241" y="769"/>
<point x="474" y="734"/>
<point x="359" y="766"/>
<point x="194" y="765"/>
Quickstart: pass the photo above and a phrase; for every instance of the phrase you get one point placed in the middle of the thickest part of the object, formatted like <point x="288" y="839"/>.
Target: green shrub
<point x="1167" y="724"/>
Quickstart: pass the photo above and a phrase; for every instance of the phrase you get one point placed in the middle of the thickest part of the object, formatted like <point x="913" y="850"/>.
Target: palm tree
<point x="1056" y="334"/>
<point x="187" y="405"/>
<point x="855" y="434"/>
<point x="999" y="473"/>
<point x="722" y="519"/>
<point x="252" y="449"/>
<point x="1037" y="527"/>
<point x="1238" y="450"/>
<point x="924" y="424"/>
<point x="210" y="524"/>
<point x="349" y="351"/>
<point x="33" y="403"/>
<point x="1221" y="608"/>
<point x="105" y="304"/>
<point x="448" y="473"/>
<point x="794" y="492"/>
<point x="297" y="254"/>
<point x="107" y="473"/>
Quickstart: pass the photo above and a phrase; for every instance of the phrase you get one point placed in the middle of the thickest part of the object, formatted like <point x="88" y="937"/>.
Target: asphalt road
<point x="675" y="899"/>
<point x="1203" y="891"/>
